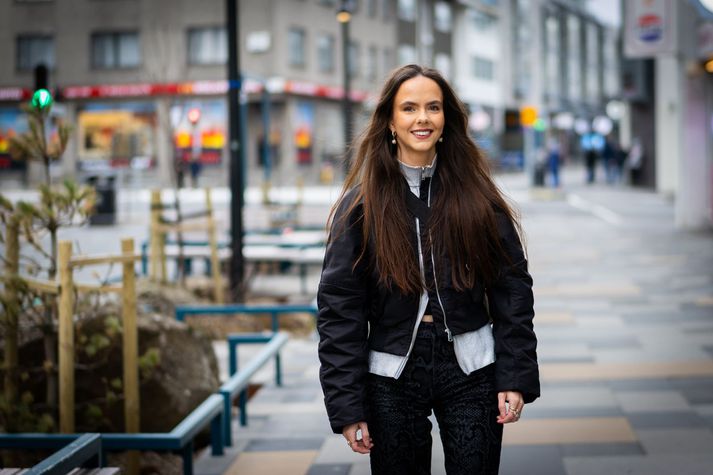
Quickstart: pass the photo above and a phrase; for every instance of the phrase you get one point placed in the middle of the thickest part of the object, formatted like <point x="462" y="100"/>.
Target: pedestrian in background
<point x="609" y="158"/>
<point x="425" y="301"/>
<point x="554" y="159"/>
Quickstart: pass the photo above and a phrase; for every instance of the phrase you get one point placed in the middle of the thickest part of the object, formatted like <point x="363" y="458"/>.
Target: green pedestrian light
<point x="41" y="99"/>
<point x="540" y="125"/>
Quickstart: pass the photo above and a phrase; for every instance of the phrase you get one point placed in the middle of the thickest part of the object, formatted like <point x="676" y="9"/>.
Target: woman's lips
<point x="422" y="134"/>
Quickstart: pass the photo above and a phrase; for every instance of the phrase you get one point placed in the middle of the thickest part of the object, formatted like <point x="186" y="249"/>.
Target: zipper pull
<point x="450" y="335"/>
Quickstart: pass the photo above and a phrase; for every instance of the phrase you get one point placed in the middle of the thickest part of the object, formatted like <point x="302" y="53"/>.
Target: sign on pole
<point x="649" y="28"/>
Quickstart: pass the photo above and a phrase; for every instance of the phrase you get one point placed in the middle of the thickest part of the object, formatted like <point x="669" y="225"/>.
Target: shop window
<point x="207" y="45"/>
<point x="33" y="50"/>
<point x="296" y="39"/>
<point x="115" y="50"/>
<point x="325" y="52"/>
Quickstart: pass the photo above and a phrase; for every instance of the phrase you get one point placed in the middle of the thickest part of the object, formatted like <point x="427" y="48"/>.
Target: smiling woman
<point x="420" y="240"/>
<point x="417" y="120"/>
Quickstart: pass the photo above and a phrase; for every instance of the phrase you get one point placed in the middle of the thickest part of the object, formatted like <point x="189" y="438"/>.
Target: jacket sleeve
<point x="342" y="322"/>
<point x="511" y="303"/>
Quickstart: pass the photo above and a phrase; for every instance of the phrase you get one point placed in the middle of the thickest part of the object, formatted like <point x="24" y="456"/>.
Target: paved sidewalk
<point x="625" y="322"/>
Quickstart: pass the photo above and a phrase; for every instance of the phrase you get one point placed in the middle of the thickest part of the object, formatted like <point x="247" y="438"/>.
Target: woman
<point x="423" y="255"/>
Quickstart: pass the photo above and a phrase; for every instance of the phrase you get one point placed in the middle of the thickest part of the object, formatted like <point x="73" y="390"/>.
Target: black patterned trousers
<point x="465" y="406"/>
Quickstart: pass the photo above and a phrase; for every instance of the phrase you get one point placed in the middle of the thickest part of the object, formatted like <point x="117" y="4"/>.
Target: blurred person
<point x="425" y="301"/>
<point x="609" y="160"/>
<point x="554" y="159"/>
<point x="589" y="145"/>
<point x="635" y="160"/>
<point x="195" y="167"/>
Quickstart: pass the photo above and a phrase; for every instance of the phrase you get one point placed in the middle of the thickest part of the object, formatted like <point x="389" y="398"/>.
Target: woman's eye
<point x="409" y="109"/>
<point x="435" y="107"/>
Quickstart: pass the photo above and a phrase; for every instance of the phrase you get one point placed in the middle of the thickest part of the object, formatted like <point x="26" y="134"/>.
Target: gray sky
<point x="608" y="11"/>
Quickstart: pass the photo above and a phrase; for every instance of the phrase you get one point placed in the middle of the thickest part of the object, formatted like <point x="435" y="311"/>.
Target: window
<point x="481" y="21"/>
<point x="387" y="9"/>
<point x="353" y="58"/>
<point x="325" y="52"/>
<point x="33" y="50"/>
<point x="388" y="56"/>
<point x="207" y="45"/>
<point x="442" y="17"/>
<point x="296" y="47"/>
<point x="328" y="3"/>
<point x="407" y="54"/>
<point x="372" y="63"/>
<point x="115" y="50"/>
<point x="443" y="63"/>
<point x="371" y="8"/>
<point x="407" y="10"/>
<point x="483" y="68"/>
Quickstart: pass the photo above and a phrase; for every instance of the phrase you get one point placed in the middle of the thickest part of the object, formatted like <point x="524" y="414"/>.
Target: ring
<point x="516" y="412"/>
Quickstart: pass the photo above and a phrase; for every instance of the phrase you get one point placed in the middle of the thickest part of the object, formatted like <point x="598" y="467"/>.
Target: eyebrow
<point x="411" y="103"/>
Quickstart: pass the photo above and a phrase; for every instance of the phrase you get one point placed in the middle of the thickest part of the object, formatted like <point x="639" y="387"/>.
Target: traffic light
<point x="41" y="99"/>
<point x="41" y="77"/>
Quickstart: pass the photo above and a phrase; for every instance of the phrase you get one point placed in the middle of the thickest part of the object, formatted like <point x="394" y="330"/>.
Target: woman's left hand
<point x="513" y="410"/>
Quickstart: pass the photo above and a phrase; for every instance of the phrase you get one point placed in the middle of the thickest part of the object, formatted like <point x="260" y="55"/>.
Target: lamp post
<point x="344" y="16"/>
<point x="237" y="262"/>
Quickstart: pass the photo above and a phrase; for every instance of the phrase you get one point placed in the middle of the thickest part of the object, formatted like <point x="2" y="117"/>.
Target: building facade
<point x="131" y="74"/>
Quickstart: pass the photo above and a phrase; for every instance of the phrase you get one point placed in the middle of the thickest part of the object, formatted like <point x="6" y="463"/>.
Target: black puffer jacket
<point x="357" y="314"/>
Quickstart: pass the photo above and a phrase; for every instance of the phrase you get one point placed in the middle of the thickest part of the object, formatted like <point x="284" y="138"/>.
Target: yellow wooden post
<point x="131" y="351"/>
<point x="66" y="339"/>
<point x="214" y="259"/>
<point x="154" y="239"/>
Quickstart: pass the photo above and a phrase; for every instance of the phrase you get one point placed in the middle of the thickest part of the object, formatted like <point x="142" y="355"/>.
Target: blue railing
<point x="215" y="410"/>
<point x="238" y="382"/>
<point x="275" y="311"/>
<point x="179" y="440"/>
<point x="85" y="450"/>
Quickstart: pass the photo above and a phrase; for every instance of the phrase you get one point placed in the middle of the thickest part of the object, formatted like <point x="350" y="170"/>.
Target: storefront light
<point x="709" y="65"/>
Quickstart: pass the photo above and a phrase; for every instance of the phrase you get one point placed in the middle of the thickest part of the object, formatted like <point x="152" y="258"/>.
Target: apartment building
<point x="128" y="72"/>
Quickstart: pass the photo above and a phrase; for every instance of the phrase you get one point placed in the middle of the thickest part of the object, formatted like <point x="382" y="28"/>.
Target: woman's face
<point x="417" y="120"/>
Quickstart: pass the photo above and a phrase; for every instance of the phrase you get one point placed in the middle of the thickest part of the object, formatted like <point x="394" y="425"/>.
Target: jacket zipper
<point x="418" y="318"/>
<point x="435" y="280"/>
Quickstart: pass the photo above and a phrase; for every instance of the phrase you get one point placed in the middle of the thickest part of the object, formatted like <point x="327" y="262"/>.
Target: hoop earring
<point x="393" y="137"/>
<point x="440" y="139"/>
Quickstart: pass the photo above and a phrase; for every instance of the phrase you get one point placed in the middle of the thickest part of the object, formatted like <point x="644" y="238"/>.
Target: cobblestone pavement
<point x="625" y="322"/>
<point x="624" y="307"/>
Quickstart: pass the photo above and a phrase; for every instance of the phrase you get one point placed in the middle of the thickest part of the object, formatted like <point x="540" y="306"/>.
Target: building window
<point x="325" y="52"/>
<point x="387" y="7"/>
<point x="207" y="46"/>
<point x="443" y="64"/>
<point x="442" y="17"/>
<point x="372" y="61"/>
<point x="371" y="8"/>
<point x="407" y="54"/>
<point x="483" y="68"/>
<point x="407" y="10"/>
<point x="296" y="47"/>
<point x="388" y="56"/>
<point x="354" y="58"/>
<point x="115" y="50"/>
<point x="328" y="3"/>
<point x="481" y="21"/>
<point x="33" y="50"/>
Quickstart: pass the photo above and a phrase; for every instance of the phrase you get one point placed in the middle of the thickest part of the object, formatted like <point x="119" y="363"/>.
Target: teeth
<point x="422" y="134"/>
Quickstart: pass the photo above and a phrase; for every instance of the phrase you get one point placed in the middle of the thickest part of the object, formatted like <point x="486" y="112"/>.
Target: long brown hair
<point x="463" y="221"/>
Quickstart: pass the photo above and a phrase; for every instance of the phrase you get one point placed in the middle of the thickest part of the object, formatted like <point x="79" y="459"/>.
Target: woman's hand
<point x="360" y="446"/>
<point x="515" y="404"/>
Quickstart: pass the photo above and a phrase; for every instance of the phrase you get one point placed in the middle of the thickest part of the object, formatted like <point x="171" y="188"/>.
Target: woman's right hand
<point x="360" y="446"/>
